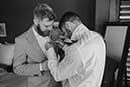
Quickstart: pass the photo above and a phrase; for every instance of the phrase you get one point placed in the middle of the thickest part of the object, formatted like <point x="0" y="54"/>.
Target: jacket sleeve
<point x="67" y="67"/>
<point x="20" y="64"/>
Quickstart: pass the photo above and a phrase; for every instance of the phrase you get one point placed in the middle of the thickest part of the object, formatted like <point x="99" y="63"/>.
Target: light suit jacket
<point x="84" y="61"/>
<point x="27" y="56"/>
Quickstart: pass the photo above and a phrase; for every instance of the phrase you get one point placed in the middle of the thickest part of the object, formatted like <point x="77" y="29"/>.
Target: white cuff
<point x="40" y="65"/>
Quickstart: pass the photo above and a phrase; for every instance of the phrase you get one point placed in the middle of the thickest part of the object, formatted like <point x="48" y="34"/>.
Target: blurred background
<point x="96" y="15"/>
<point x="18" y="14"/>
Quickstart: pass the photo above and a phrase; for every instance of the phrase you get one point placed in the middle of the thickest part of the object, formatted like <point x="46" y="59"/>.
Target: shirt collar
<point x="34" y="31"/>
<point x="80" y="29"/>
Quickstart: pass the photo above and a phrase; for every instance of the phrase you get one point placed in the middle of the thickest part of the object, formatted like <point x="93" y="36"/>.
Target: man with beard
<point x="30" y="54"/>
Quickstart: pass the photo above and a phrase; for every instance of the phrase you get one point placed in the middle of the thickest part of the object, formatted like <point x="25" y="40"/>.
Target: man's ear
<point x="67" y="24"/>
<point x="70" y="26"/>
<point x="35" y="21"/>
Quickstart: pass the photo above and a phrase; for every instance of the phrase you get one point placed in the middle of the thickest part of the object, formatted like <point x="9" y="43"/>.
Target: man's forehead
<point x="47" y="21"/>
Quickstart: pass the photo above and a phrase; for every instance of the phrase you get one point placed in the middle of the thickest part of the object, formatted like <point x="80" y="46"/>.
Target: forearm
<point x="66" y="68"/>
<point x="60" y="71"/>
<point x="21" y="61"/>
<point x="56" y="72"/>
<point x="27" y="69"/>
<point x="53" y="63"/>
<point x="21" y="65"/>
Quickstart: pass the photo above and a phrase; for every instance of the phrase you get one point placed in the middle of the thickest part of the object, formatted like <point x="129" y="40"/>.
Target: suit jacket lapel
<point x="34" y="43"/>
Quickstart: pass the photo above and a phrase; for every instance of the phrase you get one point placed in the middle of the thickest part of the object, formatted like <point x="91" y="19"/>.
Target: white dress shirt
<point x="84" y="61"/>
<point x="41" y="40"/>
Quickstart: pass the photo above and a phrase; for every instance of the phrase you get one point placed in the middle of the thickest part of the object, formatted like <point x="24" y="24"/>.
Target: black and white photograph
<point x="64" y="43"/>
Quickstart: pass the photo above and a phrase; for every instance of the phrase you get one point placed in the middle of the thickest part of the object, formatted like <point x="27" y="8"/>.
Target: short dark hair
<point x="68" y="16"/>
<point x="43" y="10"/>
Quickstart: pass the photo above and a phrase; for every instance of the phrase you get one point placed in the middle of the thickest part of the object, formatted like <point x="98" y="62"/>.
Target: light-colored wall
<point x="115" y="39"/>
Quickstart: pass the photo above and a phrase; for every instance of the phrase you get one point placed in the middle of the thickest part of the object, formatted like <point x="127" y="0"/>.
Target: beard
<point x="42" y="33"/>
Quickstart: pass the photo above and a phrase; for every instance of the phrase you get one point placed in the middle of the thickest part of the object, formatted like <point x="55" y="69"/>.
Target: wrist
<point x="50" y="53"/>
<point x="43" y="66"/>
<point x="48" y="45"/>
<point x="40" y="65"/>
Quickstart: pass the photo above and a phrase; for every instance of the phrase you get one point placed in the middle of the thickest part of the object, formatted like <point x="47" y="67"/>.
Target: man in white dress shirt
<point x="84" y="61"/>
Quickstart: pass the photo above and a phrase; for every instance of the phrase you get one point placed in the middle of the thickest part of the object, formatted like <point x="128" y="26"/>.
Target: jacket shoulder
<point x="22" y="36"/>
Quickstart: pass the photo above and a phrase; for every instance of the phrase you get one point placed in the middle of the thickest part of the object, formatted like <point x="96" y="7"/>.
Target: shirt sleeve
<point x="67" y="67"/>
